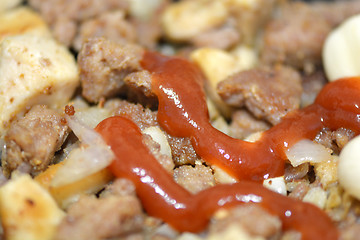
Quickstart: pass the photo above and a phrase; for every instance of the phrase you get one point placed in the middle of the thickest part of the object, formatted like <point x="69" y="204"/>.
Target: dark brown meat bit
<point x="312" y="84"/>
<point x="222" y="38"/>
<point x="101" y="218"/>
<point x="181" y="148"/>
<point x="33" y="140"/>
<point x="268" y="93"/>
<point x="243" y="124"/>
<point x="110" y="25"/>
<point x="295" y="37"/>
<point x="255" y="220"/>
<point x="139" y="89"/>
<point x="194" y="179"/>
<point x="337" y="11"/>
<point x="104" y="65"/>
<point x="335" y="140"/>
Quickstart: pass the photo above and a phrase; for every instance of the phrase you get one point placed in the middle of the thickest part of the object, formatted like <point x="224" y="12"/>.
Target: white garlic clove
<point x="341" y="51"/>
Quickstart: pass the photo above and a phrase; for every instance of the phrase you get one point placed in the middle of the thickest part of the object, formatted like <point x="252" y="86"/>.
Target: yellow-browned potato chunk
<point x="28" y="211"/>
<point x="34" y="70"/>
<point x="20" y="21"/>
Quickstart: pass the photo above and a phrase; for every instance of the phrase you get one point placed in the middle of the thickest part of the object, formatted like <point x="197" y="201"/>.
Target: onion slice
<point x="93" y="155"/>
<point x="307" y="151"/>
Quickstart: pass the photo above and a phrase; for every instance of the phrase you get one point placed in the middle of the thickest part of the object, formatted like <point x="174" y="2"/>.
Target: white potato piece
<point x="28" y="211"/>
<point x="341" y="52"/>
<point x="22" y="20"/>
<point x="183" y="20"/>
<point x="34" y="70"/>
<point x="349" y="167"/>
<point x="316" y="196"/>
<point x="276" y="184"/>
<point x="218" y="64"/>
<point x="8" y="4"/>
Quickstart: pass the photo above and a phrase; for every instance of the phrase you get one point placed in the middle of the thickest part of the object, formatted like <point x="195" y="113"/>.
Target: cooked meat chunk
<point x="312" y="84"/>
<point x="222" y="38"/>
<point x="100" y="218"/>
<point x="335" y="140"/>
<point x="295" y="37"/>
<point x="181" y="148"/>
<point x="104" y="65"/>
<point x="243" y="124"/>
<point x="255" y="220"/>
<point x="110" y="25"/>
<point x="194" y="179"/>
<point x="34" y="139"/>
<point x="268" y="93"/>
<point x="62" y="13"/>
<point x="337" y="11"/>
<point x="142" y="117"/>
<point x="119" y="187"/>
<point x="139" y="88"/>
<point x="296" y="173"/>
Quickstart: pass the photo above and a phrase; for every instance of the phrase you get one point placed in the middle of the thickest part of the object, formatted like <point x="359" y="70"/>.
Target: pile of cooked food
<point x="187" y="120"/>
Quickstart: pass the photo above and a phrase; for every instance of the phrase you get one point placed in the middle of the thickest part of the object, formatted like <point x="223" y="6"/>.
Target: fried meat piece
<point x="104" y="65"/>
<point x="101" y="218"/>
<point x="194" y="179"/>
<point x="295" y="37"/>
<point x="181" y="148"/>
<point x="34" y="139"/>
<point x="253" y="219"/>
<point x="110" y="25"/>
<point x="268" y="93"/>
<point x="243" y="124"/>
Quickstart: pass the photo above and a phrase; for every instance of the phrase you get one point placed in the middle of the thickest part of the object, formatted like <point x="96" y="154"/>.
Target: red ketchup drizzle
<point x="182" y="112"/>
<point x="162" y="197"/>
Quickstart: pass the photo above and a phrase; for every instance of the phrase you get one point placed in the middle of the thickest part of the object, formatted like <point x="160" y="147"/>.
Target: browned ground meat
<point x="93" y="218"/>
<point x="194" y="179"/>
<point x="337" y="11"/>
<point x="250" y="22"/>
<point x="250" y="217"/>
<point x="119" y="187"/>
<point x="334" y="140"/>
<point x="312" y="84"/>
<point x="34" y="139"/>
<point x="243" y="124"/>
<point x="267" y="93"/>
<point x="181" y="148"/>
<point x="104" y="65"/>
<point x="139" y="89"/>
<point x="142" y="117"/>
<point x="62" y="13"/>
<point x="296" y="173"/>
<point x="222" y="38"/>
<point x="110" y="25"/>
<point x="295" y="37"/>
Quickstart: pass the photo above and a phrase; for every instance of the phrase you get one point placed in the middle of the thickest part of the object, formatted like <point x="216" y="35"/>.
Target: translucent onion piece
<point x="307" y="151"/>
<point x="93" y="156"/>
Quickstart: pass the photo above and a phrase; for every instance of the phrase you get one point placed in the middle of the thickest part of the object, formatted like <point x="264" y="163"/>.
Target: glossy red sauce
<point x="162" y="197"/>
<point x="182" y="112"/>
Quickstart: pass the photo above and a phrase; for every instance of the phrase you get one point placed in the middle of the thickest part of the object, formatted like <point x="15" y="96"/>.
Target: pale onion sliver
<point x="307" y="151"/>
<point x="84" y="161"/>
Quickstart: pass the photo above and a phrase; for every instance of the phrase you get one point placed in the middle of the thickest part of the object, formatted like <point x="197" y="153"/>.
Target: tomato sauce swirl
<point x="182" y="112"/>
